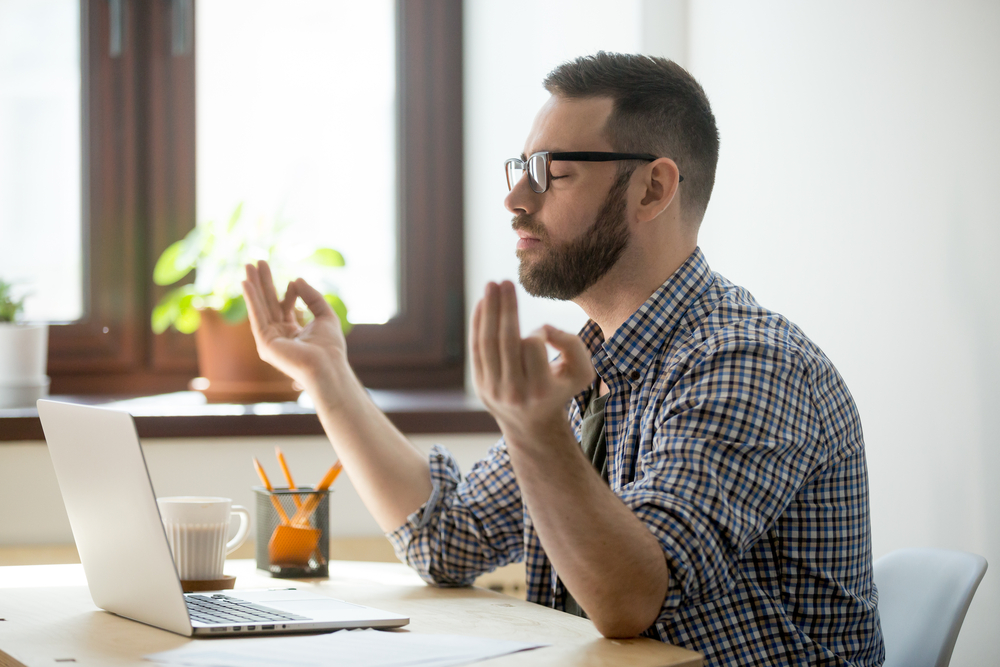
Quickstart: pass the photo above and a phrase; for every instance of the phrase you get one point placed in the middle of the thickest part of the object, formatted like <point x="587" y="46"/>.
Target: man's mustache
<point x="525" y="222"/>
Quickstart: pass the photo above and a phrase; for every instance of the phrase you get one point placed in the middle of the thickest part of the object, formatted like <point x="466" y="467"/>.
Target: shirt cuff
<point x="646" y="506"/>
<point x="445" y="476"/>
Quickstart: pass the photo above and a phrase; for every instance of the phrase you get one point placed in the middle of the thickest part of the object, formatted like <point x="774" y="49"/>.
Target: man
<point x="708" y="487"/>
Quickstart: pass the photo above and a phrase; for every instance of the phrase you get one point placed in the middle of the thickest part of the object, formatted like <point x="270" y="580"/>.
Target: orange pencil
<point x="330" y="476"/>
<point x="288" y="475"/>
<point x="267" y="485"/>
<point x="302" y="516"/>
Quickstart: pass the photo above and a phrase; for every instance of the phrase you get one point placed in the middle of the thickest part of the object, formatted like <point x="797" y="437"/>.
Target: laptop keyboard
<point x="216" y="609"/>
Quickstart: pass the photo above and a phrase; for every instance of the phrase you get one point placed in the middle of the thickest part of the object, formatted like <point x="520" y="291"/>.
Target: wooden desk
<point x="49" y="619"/>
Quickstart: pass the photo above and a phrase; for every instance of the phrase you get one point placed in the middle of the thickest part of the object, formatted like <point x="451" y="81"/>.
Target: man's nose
<point x="521" y="198"/>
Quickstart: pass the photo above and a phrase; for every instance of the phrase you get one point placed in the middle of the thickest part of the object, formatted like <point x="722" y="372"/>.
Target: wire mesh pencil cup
<point x="295" y="540"/>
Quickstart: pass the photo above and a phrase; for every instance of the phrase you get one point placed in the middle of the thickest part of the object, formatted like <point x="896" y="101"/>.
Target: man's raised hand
<point x="513" y="377"/>
<point x="310" y="354"/>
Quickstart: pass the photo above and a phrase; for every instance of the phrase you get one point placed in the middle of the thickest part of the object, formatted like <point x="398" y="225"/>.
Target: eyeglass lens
<point x="538" y="174"/>
<point x="515" y="169"/>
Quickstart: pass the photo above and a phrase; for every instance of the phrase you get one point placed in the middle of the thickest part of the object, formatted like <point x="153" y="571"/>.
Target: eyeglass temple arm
<point x="598" y="156"/>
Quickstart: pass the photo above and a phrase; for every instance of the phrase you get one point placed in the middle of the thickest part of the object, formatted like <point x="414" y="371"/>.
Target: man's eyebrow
<point x="524" y="158"/>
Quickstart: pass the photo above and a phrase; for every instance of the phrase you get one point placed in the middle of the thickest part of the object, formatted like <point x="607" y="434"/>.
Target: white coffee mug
<point x="196" y="529"/>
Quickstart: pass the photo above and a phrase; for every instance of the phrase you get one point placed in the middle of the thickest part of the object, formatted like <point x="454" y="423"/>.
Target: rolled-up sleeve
<point x="467" y="526"/>
<point x="734" y="441"/>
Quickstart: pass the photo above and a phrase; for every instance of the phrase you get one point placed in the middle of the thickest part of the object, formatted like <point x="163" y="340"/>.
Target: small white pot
<point x="23" y="357"/>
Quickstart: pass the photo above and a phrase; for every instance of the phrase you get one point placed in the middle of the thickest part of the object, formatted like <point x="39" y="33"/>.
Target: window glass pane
<point x="40" y="212"/>
<point x="296" y="117"/>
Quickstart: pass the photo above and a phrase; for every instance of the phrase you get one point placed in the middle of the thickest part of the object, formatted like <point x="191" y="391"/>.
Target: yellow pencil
<point x="274" y="499"/>
<point x="288" y="475"/>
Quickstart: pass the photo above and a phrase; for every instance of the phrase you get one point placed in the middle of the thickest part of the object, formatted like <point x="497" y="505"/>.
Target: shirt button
<point x="635" y="375"/>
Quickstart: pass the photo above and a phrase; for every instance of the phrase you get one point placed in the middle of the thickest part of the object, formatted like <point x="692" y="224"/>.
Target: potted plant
<point x="212" y="306"/>
<point x="23" y="353"/>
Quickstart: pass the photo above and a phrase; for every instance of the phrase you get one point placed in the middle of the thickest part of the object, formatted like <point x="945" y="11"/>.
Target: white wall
<point x="32" y="512"/>
<point x="506" y="58"/>
<point x="858" y="193"/>
<point x="509" y="48"/>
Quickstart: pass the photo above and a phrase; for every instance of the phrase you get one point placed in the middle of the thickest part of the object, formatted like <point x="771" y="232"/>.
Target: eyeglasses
<point x="538" y="165"/>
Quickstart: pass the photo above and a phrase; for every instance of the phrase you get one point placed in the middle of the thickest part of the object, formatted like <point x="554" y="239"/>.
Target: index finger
<point x="256" y="310"/>
<point x="288" y="303"/>
<point x="313" y="299"/>
<point x="474" y="350"/>
<point x="511" y="362"/>
<point x="268" y="291"/>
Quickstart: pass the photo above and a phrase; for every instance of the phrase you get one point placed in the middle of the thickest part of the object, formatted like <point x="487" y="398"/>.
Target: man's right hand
<point x="312" y="355"/>
<point x="392" y="476"/>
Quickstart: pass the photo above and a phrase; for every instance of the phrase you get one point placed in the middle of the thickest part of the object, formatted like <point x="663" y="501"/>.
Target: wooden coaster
<point x="197" y="585"/>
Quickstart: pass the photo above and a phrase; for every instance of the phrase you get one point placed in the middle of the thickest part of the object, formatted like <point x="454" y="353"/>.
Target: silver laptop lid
<point x="112" y="510"/>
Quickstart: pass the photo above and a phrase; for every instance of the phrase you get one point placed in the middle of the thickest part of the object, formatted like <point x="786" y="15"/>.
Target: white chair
<point x="923" y="595"/>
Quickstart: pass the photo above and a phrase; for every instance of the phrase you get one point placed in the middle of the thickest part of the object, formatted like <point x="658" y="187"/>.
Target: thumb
<point x="575" y="364"/>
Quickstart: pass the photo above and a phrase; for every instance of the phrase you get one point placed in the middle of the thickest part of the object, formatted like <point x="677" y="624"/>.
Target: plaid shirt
<point x="735" y="440"/>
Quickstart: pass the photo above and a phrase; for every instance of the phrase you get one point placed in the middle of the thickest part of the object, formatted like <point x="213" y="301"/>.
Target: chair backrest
<point x="923" y="595"/>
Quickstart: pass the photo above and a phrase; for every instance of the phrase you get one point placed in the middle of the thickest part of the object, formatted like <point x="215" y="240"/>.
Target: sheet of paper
<point x="358" y="648"/>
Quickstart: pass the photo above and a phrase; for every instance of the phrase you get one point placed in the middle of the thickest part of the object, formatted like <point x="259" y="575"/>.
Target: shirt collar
<point x="632" y="347"/>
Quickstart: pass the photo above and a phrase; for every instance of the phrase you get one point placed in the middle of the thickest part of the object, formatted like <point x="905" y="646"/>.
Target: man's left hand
<point x="524" y="392"/>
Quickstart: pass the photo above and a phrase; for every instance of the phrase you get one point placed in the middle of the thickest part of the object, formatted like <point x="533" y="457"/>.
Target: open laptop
<point x="124" y="550"/>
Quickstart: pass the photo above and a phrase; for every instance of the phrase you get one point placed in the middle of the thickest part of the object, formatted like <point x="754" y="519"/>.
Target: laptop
<point x="124" y="550"/>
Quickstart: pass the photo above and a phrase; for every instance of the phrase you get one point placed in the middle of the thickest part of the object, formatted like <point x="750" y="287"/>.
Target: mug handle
<point x="244" y="529"/>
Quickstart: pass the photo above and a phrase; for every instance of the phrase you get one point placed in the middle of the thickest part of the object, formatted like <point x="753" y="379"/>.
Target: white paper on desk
<point x="361" y="648"/>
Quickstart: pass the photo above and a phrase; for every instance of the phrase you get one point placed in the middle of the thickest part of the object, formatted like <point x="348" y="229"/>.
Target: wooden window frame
<point x="139" y="196"/>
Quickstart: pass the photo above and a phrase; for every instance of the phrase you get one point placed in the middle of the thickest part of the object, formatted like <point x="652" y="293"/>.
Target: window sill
<point x="187" y="415"/>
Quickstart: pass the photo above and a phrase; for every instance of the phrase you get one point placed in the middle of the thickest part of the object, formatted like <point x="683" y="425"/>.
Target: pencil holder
<point x="293" y="532"/>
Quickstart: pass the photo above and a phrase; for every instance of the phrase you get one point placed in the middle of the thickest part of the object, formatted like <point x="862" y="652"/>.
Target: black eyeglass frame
<point x="572" y="156"/>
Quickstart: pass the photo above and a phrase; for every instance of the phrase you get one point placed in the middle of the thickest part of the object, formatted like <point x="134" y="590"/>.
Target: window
<point x="139" y="195"/>
<point x="292" y="126"/>
<point x="40" y="234"/>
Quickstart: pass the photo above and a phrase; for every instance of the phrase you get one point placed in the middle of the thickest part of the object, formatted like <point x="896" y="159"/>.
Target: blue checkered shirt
<point x="734" y="439"/>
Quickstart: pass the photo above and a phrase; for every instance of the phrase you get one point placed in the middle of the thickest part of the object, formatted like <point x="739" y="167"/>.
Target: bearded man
<point x="690" y="468"/>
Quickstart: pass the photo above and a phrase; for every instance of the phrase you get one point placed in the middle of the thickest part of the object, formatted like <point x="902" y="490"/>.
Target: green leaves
<point x="176" y="308"/>
<point x="180" y="308"/>
<point x="10" y="307"/>
<point x="234" y="218"/>
<point x="167" y="271"/>
<point x="181" y="257"/>
<point x="188" y="321"/>
<point x="235" y="310"/>
<point x="327" y="257"/>
<point x="218" y="253"/>
<point x="341" y="309"/>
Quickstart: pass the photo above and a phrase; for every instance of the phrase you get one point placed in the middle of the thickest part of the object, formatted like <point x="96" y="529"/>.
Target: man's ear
<point x="660" y="179"/>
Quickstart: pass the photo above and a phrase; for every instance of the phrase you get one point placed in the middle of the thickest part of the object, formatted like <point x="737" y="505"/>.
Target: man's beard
<point x="566" y="271"/>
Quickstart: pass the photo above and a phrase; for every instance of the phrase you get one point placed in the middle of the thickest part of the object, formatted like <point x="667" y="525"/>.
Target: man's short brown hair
<point x="658" y="108"/>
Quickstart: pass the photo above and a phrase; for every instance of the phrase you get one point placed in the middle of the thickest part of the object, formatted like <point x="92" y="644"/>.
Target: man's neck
<point x="619" y="293"/>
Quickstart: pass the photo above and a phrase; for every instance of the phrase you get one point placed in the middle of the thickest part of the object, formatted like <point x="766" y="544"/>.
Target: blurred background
<point x="856" y="194"/>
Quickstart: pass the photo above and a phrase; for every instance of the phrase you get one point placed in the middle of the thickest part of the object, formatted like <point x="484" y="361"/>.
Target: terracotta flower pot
<point x="228" y="361"/>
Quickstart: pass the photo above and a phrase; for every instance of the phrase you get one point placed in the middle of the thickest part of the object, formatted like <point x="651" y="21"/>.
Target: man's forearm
<point x="604" y="554"/>
<point x="390" y="474"/>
